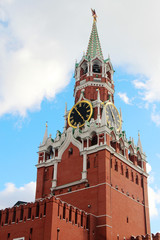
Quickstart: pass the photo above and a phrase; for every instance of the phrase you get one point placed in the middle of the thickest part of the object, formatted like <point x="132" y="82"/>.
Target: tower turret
<point x="93" y="71"/>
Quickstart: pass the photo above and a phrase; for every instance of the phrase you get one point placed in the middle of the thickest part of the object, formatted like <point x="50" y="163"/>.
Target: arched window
<point x="7" y="216"/>
<point x="139" y="160"/>
<point x="132" y="176"/>
<point x="76" y="216"/>
<point x="29" y="212"/>
<point x="14" y="215"/>
<point x="121" y="147"/>
<point x="84" y="69"/>
<point x="130" y="154"/>
<point x="94" y="139"/>
<point x="137" y="179"/>
<point x="64" y="211"/>
<point x="122" y="169"/>
<point x="109" y="75"/>
<point x="70" y="214"/>
<point x="50" y="153"/>
<point x="97" y="66"/>
<point x="127" y="173"/>
<point x="116" y="166"/>
<point x="37" y="210"/>
<point x="88" y="164"/>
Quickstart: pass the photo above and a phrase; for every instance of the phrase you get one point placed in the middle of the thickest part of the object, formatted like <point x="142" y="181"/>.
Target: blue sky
<point x="37" y="57"/>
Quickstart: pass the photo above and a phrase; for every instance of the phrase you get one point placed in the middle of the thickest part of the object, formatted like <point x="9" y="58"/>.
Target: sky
<point x="40" y="42"/>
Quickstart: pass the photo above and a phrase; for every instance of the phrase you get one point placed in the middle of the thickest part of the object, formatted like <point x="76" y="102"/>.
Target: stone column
<point x="84" y="173"/>
<point x="54" y="182"/>
<point x="44" y="157"/>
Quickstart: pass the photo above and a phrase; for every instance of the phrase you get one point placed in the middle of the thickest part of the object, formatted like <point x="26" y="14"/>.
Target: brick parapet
<point x="147" y="237"/>
<point x="37" y="209"/>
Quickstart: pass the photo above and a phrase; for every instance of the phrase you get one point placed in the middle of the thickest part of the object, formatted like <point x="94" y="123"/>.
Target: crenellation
<point x="147" y="237"/>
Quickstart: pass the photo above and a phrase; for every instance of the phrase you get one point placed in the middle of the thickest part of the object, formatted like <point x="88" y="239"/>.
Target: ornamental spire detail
<point x="94" y="46"/>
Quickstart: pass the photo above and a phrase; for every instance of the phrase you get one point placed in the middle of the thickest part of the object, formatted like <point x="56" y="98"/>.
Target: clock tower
<point x="91" y="164"/>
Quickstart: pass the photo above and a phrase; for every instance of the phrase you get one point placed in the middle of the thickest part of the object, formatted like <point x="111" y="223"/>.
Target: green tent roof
<point x="94" y="46"/>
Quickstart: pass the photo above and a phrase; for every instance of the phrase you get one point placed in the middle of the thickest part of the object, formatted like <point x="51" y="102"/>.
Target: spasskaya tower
<point x="91" y="164"/>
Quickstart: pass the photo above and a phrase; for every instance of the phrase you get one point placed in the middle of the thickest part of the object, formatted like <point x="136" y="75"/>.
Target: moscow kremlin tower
<point x="91" y="180"/>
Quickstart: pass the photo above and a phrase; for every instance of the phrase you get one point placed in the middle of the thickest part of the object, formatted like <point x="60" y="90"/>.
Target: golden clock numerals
<point x="75" y="123"/>
<point x="88" y="110"/>
<point x="72" y="121"/>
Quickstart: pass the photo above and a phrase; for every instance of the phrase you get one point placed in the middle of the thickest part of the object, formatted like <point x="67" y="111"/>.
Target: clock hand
<point x="79" y="114"/>
<point x="112" y="113"/>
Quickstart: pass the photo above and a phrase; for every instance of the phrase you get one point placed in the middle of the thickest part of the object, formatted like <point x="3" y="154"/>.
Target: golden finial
<point x="94" y="15"/>
<point x="46" y="124"/>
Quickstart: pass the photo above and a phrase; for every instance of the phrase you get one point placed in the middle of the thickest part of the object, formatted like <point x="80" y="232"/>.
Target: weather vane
<point x="94" y="14"/>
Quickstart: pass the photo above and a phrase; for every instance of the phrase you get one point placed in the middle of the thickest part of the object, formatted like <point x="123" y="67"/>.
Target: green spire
<point x="94" y="46"/>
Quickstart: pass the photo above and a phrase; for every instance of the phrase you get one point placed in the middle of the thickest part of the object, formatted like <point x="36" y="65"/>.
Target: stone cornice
<point x="94" y="83"/>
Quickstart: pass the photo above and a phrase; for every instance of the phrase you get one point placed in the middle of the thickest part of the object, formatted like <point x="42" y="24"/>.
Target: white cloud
<point x="139" y="84"/>
<point x="11" y="194"/>
<point x="149" y="168"/>
<point x="153" y="195"/>
<point x="124" y="97"/>
<point x="155" y="115"/>
<point x="154" y="202"/>
<point x="39" y="45"/>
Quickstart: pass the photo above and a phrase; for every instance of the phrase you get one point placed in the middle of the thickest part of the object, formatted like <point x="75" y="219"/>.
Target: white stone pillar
<point x="84" y="173"/>
<point x="87" y="143"/>
<point x="54" y="153"/>
<point x="82" y="144"/>
<point x="88" y="71"/>
<point x="103" y="69"/>
<point x="91" y="70"/>
<point x="44" y="157"/>
<point x="104" y="138"/>
<point x="78" y="73"/>
<point x="54" y="182"/>
<point x="98" y="139"/>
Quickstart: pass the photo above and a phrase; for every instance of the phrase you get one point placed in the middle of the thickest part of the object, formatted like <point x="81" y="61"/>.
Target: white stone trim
<point x="84" y="173"/>
<point x="69" y="185"/>
<point x="69" y="139"/>
<point x="94" y="186"/>
<point x="94" y="83"/>
<point x="21" y="238"/>
<point x="105" y="225"/>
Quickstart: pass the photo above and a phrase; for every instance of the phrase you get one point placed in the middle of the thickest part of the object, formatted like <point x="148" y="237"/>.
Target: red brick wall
<point x="45" y="225"/>
<point x="70" y="167"/>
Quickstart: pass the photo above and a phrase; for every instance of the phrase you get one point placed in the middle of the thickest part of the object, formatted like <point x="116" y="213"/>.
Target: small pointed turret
<point x="139" y="145"/>
<point x="45" y="135"/>
<point x="65" y="118"/>
<point x="94" y="46"/>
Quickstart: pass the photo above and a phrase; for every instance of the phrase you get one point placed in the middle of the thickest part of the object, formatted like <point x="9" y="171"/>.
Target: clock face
<point x="113" y="117"/>
<point x="80" y="112"/>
